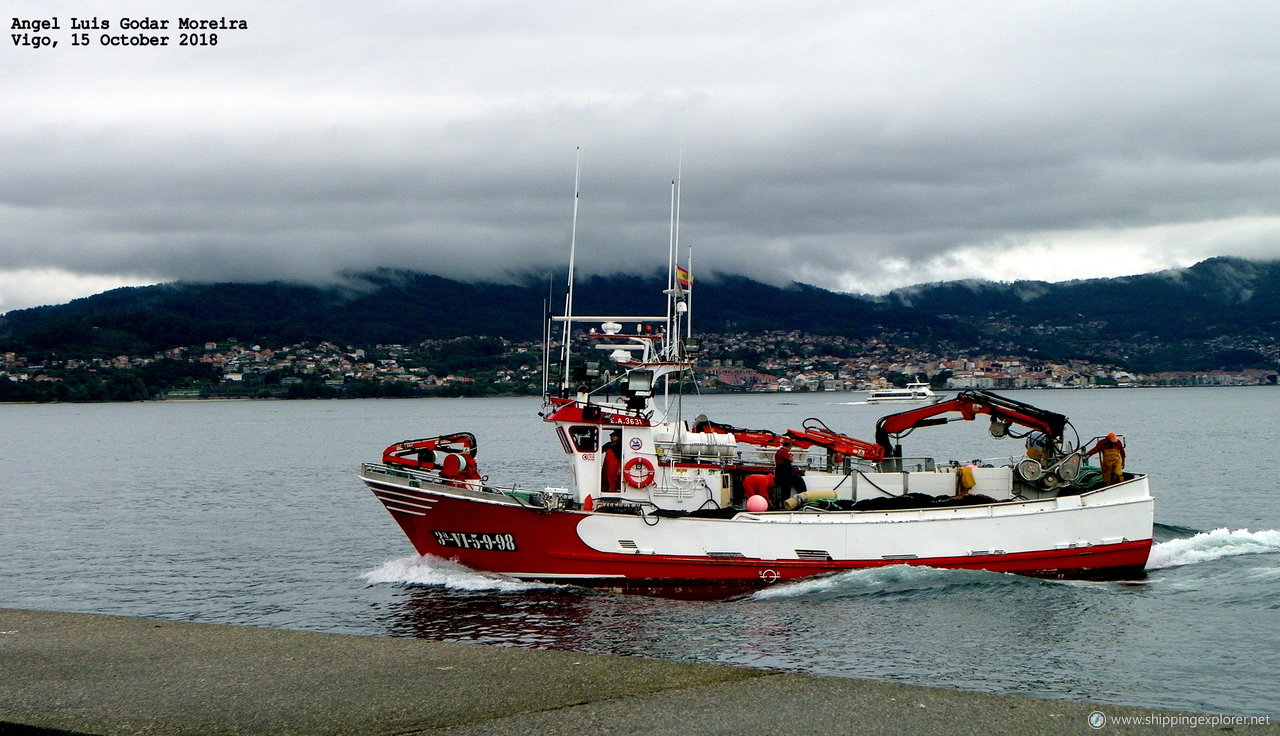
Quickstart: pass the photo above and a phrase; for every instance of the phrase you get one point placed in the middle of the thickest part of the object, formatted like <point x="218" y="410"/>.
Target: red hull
<point x="547" y="547"/>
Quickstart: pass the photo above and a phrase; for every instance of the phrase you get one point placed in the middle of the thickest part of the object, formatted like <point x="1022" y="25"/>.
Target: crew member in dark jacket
<point x="785" y="478"/>
<point x="611" y="468"/>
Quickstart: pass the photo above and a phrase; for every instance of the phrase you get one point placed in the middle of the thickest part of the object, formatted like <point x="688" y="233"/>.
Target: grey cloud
<point x="832" y="143"/>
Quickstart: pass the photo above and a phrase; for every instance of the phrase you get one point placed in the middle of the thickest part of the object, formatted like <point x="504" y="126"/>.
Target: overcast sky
<point x="858" y="146"/>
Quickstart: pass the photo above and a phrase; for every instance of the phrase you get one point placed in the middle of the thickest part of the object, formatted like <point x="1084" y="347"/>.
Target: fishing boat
<point x="915" y="392"/>
<point x="660" y="499"/>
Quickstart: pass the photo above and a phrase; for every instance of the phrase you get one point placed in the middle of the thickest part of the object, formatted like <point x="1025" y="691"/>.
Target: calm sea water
<point x="251" y="513"/>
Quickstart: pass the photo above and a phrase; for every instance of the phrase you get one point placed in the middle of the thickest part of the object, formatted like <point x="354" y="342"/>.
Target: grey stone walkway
<point x="89" y="674"/>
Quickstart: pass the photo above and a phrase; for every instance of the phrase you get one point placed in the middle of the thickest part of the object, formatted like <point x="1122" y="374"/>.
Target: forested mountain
<point x="404" y="307"/>
<point x="1223" y="312"/>
<point x="1214" y="297"/>
<point x="1217" y="313"/>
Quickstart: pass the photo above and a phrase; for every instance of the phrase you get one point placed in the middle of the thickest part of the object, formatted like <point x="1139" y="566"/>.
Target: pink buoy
<point x="757" y="503"/>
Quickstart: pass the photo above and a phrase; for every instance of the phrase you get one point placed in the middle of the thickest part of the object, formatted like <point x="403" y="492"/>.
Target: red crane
<point x="969" y="404"/>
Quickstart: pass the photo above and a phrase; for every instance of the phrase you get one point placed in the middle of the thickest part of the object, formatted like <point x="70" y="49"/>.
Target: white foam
<point x="437" y="572"/>
<point x="1214" y="545"/>
<point x="870" y="579"/>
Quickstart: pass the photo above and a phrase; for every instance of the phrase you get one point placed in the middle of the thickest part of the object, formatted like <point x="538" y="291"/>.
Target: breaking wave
<point x="436" y="572"/>
<point x="1170" y="532"/>
<point x="1214" y="545"/>
<point x="900" y="581"/>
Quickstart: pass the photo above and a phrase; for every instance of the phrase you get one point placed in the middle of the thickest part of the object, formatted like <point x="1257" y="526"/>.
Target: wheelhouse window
<point x="585" y="439"/>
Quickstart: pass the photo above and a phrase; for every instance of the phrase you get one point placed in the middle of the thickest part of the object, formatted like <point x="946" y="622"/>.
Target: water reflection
<point x="984" y="631"/>
<point x="539" y="619"/>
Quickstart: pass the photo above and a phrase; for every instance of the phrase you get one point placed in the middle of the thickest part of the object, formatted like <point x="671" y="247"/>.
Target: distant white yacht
<point x="914" y="392"/>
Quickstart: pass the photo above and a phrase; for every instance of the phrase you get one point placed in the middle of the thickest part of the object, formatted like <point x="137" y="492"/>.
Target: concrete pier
<point x="104" y="675"/>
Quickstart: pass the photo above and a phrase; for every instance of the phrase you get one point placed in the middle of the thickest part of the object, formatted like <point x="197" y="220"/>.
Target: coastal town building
<point x="764" y="362"/>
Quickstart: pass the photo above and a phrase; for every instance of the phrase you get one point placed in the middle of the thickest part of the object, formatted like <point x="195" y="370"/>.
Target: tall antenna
<point x="674" y="335"/>
<point x="688" y="296"/>
<point x="573" y="251"/>
<point x="671" y="267"/>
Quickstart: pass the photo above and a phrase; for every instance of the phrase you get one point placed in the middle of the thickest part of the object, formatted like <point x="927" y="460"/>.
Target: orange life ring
<point x="638" y="473"/>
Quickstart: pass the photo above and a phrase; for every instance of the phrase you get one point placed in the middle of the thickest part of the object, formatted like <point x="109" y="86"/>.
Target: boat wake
<point x="896" y="581"/>
<point x="435" y="572"/>
<point x="904" y="581"/>
<point x="1170" y="532"/>
<point x="1214" y="545"/>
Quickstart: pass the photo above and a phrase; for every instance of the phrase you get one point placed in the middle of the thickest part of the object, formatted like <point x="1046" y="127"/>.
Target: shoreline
<point x="940" y="392"/>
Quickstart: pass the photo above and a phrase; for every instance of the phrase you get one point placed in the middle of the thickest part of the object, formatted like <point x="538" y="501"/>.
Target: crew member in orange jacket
<point x="1112" y="450"/>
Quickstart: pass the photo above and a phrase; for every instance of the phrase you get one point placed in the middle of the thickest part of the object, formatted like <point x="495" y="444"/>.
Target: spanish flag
<point x="683" y="278"/>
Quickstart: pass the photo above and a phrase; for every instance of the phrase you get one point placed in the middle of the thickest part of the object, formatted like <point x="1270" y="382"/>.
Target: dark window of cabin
<point x="586" y="439"/>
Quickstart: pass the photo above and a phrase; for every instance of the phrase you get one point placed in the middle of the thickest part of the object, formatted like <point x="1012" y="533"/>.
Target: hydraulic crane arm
<point x="969" y="404"/>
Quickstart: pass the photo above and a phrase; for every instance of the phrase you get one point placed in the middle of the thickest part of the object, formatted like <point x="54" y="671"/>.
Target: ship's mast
<point x="568" y="295"/>
<point x="663" y="352"/>
<point x="671" y="268"/>
<point x="687" y="297"/>
<point x="677" y="304"/>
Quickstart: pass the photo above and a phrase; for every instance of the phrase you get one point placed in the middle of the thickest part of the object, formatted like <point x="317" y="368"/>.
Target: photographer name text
<point x="47" y="33"/>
